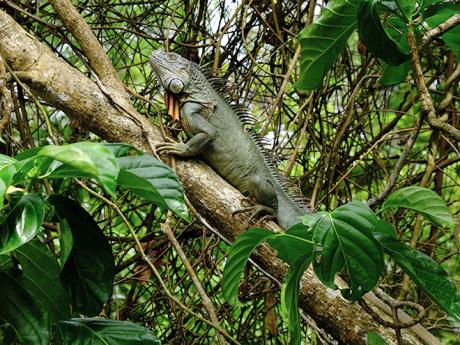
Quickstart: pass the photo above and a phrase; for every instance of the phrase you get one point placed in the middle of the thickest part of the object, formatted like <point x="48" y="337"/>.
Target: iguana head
<point x="173" y="71"/>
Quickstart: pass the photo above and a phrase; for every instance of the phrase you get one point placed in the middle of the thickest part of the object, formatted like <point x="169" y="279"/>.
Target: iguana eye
<point x="175" y="85"/>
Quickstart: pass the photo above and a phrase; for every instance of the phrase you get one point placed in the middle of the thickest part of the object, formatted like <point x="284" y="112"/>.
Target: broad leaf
<point x="295" y="242"/>
<point x="22" y="223"/>
<point x="423" y="201"/>
<point x="8" y="167"/>
<point x="65" y="241"/>
<point x="290" y="296"/>
<point x="393" y="75"/>
<point x="451" y="37"/>
<point x="119" y="149"/>
<point x="385" y="228"/>
<point x="372" y="33"/>
<point x="237" y="257"/>
<point x="89" y="271"/>
<point x="407" y="7"/>
<point x="30" y="321"/>
<point x="425" y="272"/>
<point x="344" y="241"/>
<point x="105" y="332"/>
<point x="375" y="339"/>
<point x="40" y="277"/>
<point x="153" y="180"/>
<point x="84" y="159"/>
<point x="322" y="41"/>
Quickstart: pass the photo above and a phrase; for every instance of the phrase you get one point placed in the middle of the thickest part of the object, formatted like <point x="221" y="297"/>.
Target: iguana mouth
<point x="172" y="106"/>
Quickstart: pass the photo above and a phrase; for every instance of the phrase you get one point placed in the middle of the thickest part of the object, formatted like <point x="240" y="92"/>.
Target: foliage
<point x="339" y="143"/>
<point x="44" y="289"/>
<point x="351" y="240"/>
<point x="323" y="41"/>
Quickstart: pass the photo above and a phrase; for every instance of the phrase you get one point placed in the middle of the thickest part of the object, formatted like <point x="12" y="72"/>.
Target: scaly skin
<point x="217" y="136"/>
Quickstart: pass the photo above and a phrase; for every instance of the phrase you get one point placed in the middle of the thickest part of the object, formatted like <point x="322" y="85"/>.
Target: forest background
<point x="341" y="141"/>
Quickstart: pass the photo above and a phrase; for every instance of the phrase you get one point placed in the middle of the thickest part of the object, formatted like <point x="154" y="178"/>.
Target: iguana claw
<point x="257" y="211"/>
<point x="173" y="148"/>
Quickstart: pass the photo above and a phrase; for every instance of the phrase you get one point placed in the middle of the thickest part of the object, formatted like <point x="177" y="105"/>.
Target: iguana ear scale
<point x="175" y="85"/>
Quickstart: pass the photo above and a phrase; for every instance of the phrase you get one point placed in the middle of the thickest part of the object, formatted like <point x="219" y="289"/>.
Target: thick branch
<point x="69" y="90"/>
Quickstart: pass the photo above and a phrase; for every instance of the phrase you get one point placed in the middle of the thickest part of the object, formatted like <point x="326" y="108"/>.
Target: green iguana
<point x="217" y="135"/>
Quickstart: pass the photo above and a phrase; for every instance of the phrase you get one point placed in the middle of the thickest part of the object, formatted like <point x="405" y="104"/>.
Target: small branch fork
<point x="396" y="323"/>
<point x="425" y="97"/>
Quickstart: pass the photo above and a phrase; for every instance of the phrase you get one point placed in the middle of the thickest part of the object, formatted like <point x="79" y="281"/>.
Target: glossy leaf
<point x="40" y="277"/>
<point x="425" y="272"/>
<point x="393" y="75"/>
<point x="237" y="257"/>
<point x="407" y="7"/>
<point x="372" y="33"/>
<point x="385" y="228"/>
<point x="89" y="271"/>
<point x="84" y="159"/>
<point x="30" y="320"/>
<point x="344" y="241"/>
<point x="295" y="242"/>
<point x="105" y="332"/>
<point x="153" y="180"/>
<point x="423" y="201"/>
<point x="451" y="37"/>
<point x="290" y="296"/>
<point x="22" y="223"/>
<point x="65" y="241"/>
<point x="8" y="167"/>
<point x="375" y="339"/>
<point x="119" y="149"/>
<point x="322" y="41"/>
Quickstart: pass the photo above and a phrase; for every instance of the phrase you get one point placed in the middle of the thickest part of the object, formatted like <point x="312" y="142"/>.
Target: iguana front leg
<point x="195" y="125"/>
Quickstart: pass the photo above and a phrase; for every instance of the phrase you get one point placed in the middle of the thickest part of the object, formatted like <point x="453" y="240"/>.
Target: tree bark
<point x="83" y="100"/>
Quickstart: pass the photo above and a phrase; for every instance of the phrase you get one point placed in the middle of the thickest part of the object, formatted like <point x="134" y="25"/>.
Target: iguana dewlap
<point x="217" y="136"/>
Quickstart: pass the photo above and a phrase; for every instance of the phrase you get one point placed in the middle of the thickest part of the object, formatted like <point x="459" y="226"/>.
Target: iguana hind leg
<point x="263" y="192"/>
<point x="201" y="131"/>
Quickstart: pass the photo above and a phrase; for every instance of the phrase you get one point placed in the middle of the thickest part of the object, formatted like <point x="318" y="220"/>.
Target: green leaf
<point x="425" y="272"/>
<point x="8" y="167"/>
<point x="41" y="279"/>
<point x="30" y="321"/>
<point x="105" y="332"/>
<point x="322" y="41"/>
<point x="237" y="257"/>
<point x="65" y="241"/>
<point x="393" y="75"/>
<point x="375" y="339"/>
<point x="290" y="296"/>
<point x="84" y="159"/>
<point x="89" y="271"/>
<point x="295" y="242"/>
<point x="153" y="180"/>
<point x="451" y="37"/>
<point x="22" y="223"/>
<point x="119" y="149"/>
<point x="423" y="201"/>
<point x="385" y="228"/>
<point x="344" y="241"/>
<point x="407" y="7"/>
<point x="372" y="33"/>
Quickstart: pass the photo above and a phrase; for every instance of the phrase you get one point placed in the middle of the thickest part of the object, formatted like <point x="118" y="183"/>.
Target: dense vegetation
<point x="347" y="120"/>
